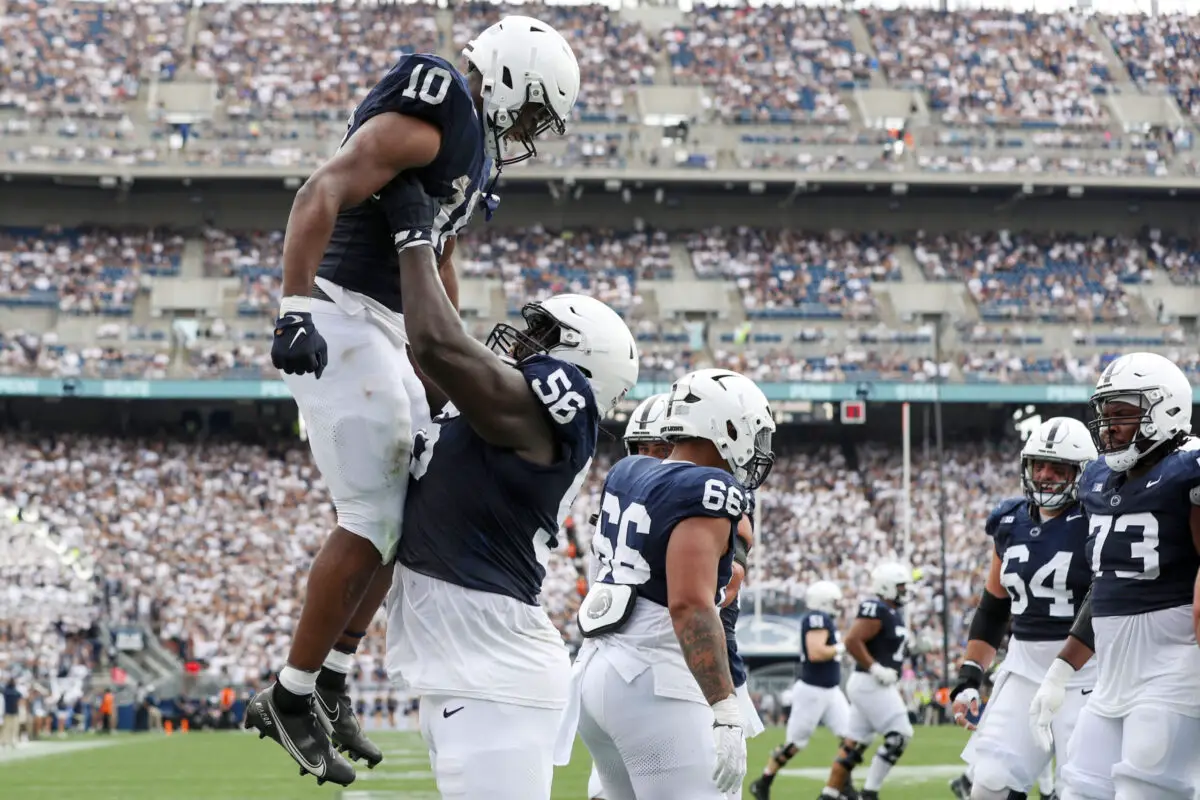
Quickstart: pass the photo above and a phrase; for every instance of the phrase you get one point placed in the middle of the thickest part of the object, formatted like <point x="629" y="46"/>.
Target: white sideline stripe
<point x="898" y="774"/>
<point x="32" y="750"/>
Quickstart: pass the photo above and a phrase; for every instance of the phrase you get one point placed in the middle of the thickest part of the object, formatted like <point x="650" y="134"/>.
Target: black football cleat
<point x="760" y="790"/>
<point x="960" y="787"/>
<point x="304" y="736"/>
<point x="347" y="734"/>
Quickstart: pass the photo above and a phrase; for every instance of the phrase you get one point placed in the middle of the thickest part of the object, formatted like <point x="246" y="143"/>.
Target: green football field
<point x="238" y="766"/>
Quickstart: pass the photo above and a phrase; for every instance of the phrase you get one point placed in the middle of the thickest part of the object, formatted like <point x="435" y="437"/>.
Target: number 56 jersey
<point x="1144" y="565"/>
<point x="644" y="500"/>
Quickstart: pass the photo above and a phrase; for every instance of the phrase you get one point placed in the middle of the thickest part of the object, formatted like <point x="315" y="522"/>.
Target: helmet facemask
<point x="1121" y="456"/>
<point x="541" y="335"/>
<point x="502" y="126"/>
<point x="1048" y="496"/>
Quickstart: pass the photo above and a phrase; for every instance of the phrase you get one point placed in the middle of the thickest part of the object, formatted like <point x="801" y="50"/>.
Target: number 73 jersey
<point x="644" y="499"/>
<point x="1144" y="566"/>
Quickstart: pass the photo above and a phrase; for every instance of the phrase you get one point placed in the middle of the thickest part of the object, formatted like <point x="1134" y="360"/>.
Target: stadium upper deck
<point x="810" y="89"/>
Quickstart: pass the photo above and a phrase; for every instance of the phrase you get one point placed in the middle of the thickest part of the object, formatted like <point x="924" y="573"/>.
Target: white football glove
<point x="884" y="676"/>
<point x="1047" y="701"/>
<point x="730" y="741"/>
<point x="839" y="650"/>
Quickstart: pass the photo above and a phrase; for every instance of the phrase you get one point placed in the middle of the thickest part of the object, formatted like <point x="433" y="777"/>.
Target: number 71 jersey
<point x="644" y="499"/>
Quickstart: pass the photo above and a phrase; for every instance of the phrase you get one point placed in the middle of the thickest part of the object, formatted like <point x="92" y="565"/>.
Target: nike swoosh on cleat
<point x="317" y="769"/>
<point x="330" y="713"/>
<point x="296" y="338"/>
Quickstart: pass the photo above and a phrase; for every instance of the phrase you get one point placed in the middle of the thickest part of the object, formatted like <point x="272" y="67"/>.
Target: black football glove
<point x="298" y="348"/>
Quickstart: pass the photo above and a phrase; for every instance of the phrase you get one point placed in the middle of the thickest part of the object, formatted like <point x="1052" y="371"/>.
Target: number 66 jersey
<point x="1144" y="565"/>
<point x="644" y="499"/>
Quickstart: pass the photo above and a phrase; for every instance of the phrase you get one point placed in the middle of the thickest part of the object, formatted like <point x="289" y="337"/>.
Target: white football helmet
<point x="823" y="596"/>
<point x="1062" y="439"/>
<point x="646" y="423"/>
<point x="523" y="61"/>
<point x="1148" y="382"/>
<point x="730" y="411"/>
<point x="890" y="581"/>
<point x="581" y="331"/>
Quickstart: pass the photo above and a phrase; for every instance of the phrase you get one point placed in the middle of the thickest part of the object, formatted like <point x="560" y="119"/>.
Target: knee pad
<point x="786" y="752"/>
<point x="851" y="755"/>
<point x="893" y="746"/>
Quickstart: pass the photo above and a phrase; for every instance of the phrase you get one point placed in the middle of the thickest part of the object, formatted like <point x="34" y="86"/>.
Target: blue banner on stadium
<point x="882" y="391"/>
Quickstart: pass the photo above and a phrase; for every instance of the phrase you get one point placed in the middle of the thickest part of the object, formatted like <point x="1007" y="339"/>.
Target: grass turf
<point x="237" y="766"/>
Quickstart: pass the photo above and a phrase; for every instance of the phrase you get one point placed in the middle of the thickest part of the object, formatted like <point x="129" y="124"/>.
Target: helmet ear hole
<point x="731" y="430"/>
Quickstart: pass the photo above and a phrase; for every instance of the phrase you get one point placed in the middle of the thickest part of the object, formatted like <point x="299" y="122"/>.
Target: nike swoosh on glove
<point x="298" y="348"/>
<point x="730" y="741"/>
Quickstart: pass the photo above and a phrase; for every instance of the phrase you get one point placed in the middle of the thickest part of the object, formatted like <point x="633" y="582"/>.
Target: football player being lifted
<point x="654" y="696"/>
<point x="878" y="643"/>
<point x="340" y="337"/>
<point x="1136" y="737"/>
<point x="1038" y="578"/>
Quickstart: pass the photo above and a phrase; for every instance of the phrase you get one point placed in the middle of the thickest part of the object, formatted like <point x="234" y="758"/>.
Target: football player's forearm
<point x="309" y="228"/>
<point x="435" y="331"/>
<point x="981" y="653"/>
<point x="449" y="277"/>
<point x="857" y="649"/>
<point x="702" y="638"/>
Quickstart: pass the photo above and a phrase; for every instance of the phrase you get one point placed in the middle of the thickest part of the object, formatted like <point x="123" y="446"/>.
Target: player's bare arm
<point x="817" y="648"/>
<point x="981" y="644"/>
<point x="693" y="555"/>
<point x="449" y="276"/>
<point x="447" y="272"/>
<point x="1194" y="522"/>
<point x="988" y="628"/>
<point x="381" y="149"/>
<point x="862" y="631"/>
<point x="491" y="396"/>
<point x="745" y="538"/>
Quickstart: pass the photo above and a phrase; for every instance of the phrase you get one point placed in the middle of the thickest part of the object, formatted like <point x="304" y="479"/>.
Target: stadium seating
<point x="215" y="538"/>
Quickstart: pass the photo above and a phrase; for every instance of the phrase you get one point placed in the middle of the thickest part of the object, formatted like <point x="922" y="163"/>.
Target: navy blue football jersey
<point x="890" y="645"/>
<point x="1140" y="543"/>
<point x="729" y="619"/>
<point x="482" y="517"/>
<point x="819" y="673"/>
<point x="361" y="254"/>
<point x="1044" y="567"/>
<point x="737" y="664"/>
<point x="644" y="499"/>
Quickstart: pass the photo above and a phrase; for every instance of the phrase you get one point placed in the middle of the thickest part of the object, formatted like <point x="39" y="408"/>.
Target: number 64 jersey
<point x="1144" y="565"/>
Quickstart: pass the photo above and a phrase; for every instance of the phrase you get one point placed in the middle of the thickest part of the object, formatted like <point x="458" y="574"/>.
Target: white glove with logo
<point x="839" y="650"/>
<point x="1047" y="701"/>
<point x="730" y="741"/>
<point x="884" y="676"/>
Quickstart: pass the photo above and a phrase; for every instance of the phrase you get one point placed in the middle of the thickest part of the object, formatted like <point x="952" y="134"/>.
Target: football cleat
<point x="760" y="790"/>
<point x="305" y="737"/>
<point x="346" y="732"/>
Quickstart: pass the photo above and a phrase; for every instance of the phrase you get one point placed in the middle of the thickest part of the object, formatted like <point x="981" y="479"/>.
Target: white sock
<point x="297" y="681"/>
<point x="339" y="661"/>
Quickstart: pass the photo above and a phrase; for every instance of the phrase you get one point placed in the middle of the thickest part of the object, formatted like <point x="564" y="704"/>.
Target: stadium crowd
<point x="207" y="543"/>
<point x="287" y="75"/>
